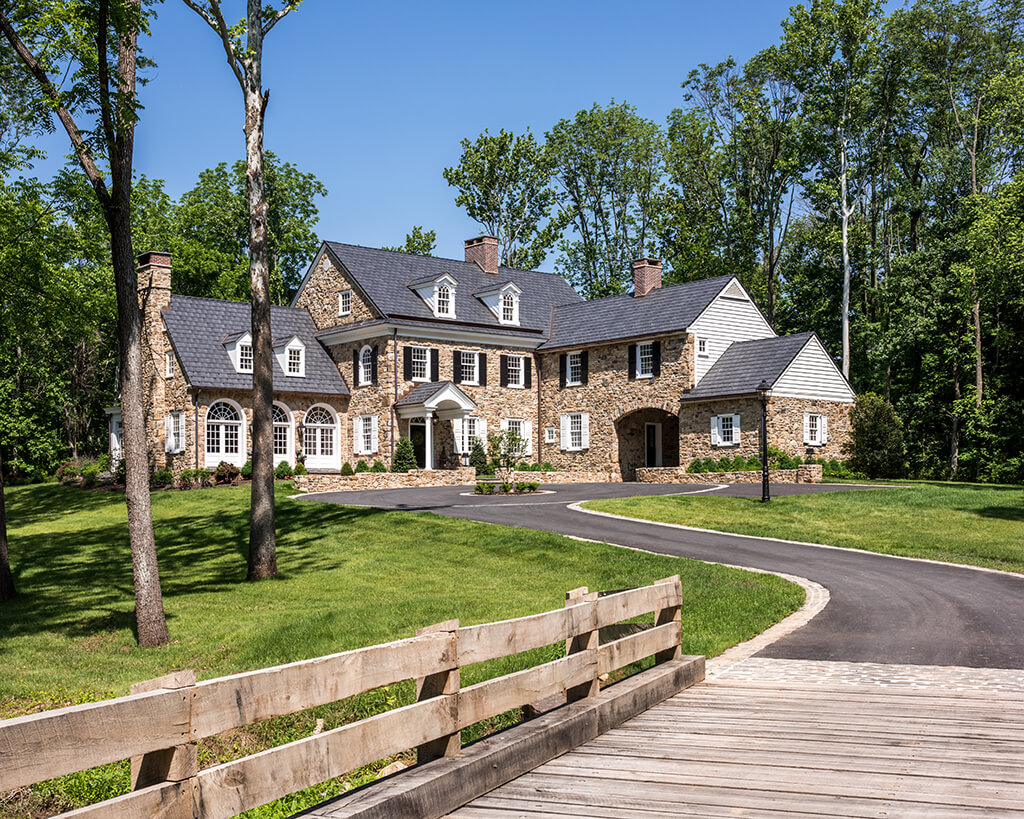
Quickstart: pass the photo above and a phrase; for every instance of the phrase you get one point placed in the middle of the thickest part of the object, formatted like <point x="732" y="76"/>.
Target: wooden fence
<point x="159" y="723"/>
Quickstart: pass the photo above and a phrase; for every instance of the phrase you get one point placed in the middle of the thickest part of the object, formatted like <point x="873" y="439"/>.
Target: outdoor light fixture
<point x="764" y="392"/>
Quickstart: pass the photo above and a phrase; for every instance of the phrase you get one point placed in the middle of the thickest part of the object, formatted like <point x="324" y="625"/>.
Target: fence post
<point x="584" y="641"/>
<point x="672" y="614"/>
<point x="442" y="684"/>
<point x="175" y="764"/>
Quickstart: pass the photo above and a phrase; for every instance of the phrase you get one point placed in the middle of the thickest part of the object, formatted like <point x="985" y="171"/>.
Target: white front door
<point x="320" y="440"/>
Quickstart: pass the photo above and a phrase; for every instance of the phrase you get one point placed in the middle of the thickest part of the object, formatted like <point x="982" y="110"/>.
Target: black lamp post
<point x="764" y="392"/>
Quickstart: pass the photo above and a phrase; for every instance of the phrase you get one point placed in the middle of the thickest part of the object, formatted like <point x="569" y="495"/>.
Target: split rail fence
<point x="160" y="722"/>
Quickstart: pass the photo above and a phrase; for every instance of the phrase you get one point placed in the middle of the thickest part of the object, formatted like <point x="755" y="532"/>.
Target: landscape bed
<point x="350" y="577"/>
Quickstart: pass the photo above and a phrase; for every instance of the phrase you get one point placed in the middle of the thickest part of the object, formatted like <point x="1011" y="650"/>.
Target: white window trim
<point x="566" y="424"/>
<point x="425" y="378"/>
<point x="345" y="304"/>
<point x="359" y="424"/>
<point x="302" y="360"/>
<point x="365" y="370"/>
<point x="169" y="364"/>
<point x="475" y="380"/>
<point x="463" y="441"/>
<point x="525" y="432"/>
<point x="716" y="430"/>
<point x="317" y="461"/>
<point x="702" y="347"/>
<point x="211" y="459"/>
<point x="822" y="437"/>
<point x="252" y="356"/>
<point x="639" y="358"/>
<point x="522" y="372"/>
<point x="550" y="435"/>
<point x="174" y="443"/>
<point x="289" y="455"/>
<point x="568" y="369"/>
<point x="450" y="312"/>
<point x="515" y="308"/>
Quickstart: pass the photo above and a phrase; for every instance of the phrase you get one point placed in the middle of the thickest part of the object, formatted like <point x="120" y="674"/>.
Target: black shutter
<point x="503" y="371"/>
<point x="584" y="366"/>
<point x="481" y="369"/>
<point x="457" y="367"/>
<point x="561" y="371"/>
<point x="434" y="371"/>
<point x="373" y="367"/>
<point x="632" y="362"/>
<point x="527" y="372"/>
<point x="656" y="358"/>
<point x="407" y="358"/>
<point x="355" y="368"/>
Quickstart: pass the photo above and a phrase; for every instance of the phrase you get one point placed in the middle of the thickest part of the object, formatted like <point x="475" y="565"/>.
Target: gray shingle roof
<point x="665" y="310"/>
<point x="743" y="365"/>
<point x="198" y="327"/>
<point x="385" y="276"/>
<point x="421" y="393"/>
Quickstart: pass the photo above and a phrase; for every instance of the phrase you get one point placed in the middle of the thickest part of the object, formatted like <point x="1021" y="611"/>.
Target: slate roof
<point x="385" y="277"/>
<point x="742" y="366"/>
<point x="198" y="327"/>
<point x="500" y="330"/>
<point x="422" y="393"/>
<point x="664" y="310"/>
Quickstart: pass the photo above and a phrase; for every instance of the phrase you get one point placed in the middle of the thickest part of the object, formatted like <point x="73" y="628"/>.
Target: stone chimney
<point x="646" y="277"/>
<point x="154" y="274"/>
<point x="484" y="251"/>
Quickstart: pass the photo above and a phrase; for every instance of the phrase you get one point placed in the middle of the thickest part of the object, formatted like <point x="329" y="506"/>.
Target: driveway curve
<point x="882" y="609"/>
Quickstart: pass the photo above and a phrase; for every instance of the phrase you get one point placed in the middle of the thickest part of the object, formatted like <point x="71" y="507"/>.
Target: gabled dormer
<point x="290" y="353"/>
<point x="502" y="299"/>
<point x="239" y="348"/>
<point x="438" y="292"/>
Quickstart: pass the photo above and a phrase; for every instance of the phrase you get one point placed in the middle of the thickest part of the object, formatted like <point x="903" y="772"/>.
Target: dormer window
<point x="291" y="356"/>
<point x="502" y="299"/>
<point x="444" y="300"/>
<point x="508" y="308"/>
<point x="294" y="361"/>
<point x="245" y="358"/>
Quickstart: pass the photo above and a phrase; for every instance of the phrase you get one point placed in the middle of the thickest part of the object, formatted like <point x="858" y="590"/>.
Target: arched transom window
<point x="508" y="308"/>
<point x="282" y="433"/>
<point x="366" y="365"/>
<point x="444" y="300"/>
<point x="319" y="438"/>
<point x="225" y="435"/>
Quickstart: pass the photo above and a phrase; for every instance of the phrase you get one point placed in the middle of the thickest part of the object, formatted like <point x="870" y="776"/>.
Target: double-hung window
<point x="574" y="369"/>
<point x="420" y="363"/>
<point x="366" y="366"/>
<point x="644" y="360"/>
<point x="294" y="361"/>
<point x="245" y="358"/>
<point x="815" y="429"/>
<point x="725" y="430"/>
<point x="365" y="435"/>
<point x="508" y="308"/>
<point x="345" y="303"/>
<point x="174" y="432"/>
<point x="444" y="300"/>
<point x="515" y="371"/>
<point x="168" y="364"/>
<point x="575" y="431"/>
<point x="468" y="363"/>
<point x="702" y="346"/>
<point x="282" y="432"/>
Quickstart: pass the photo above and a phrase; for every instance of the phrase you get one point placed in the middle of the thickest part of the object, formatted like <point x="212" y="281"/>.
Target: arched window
<point x="508" y="308"/>
<point x="366" y="366"/>
<point x="444" y="300"/>
<point x="225" y="434"/>
<point x="282" y="435"/>
<point x="319" y="438"/>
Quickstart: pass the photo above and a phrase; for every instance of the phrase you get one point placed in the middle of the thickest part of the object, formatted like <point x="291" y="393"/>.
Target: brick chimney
<point x="154" y="274"/>
<point x="646" y="277"/>
<point x="484" y="251"/>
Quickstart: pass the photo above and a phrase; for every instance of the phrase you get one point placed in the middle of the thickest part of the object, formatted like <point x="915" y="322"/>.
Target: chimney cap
<point x="647" y="262"/>
<point x="482" y="240"/>
<point x="159" y="257"/>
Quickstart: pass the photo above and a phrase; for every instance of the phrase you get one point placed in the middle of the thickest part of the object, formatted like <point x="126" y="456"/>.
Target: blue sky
<point x="373" y="98"/>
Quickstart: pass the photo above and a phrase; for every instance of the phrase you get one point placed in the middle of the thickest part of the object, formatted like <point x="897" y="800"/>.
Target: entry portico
<point x="425" y="404"/>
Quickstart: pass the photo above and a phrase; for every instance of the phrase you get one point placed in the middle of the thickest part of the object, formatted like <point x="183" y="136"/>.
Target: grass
<point x="974" y="524"/>
<point x="350" y="577"/>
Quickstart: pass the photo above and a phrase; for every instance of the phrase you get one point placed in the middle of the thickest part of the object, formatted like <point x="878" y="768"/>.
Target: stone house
<point x="379" y="345"/>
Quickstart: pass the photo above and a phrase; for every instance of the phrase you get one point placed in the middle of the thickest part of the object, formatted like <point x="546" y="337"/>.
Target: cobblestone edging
<point x="808" y="473"/>
<point x="385" y="480"/>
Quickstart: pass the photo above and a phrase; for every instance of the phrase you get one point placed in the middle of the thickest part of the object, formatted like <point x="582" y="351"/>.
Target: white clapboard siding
<point x="813" y="374"/>
<point x="732" y="316"/>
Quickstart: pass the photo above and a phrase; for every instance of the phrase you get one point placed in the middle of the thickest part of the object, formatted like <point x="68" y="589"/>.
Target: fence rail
<point x="159" y="723"/>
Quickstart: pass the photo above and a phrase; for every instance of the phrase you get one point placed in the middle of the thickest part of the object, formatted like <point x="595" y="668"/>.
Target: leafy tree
<point x="876" y="442"/>
<point x="419" y="242"/>
<point x="405" y="456"/>
<point x="504" y="183"/>
<point x="608" y="167"/>
<point x="506" y="449"/>
<point x="101" y="46"/>
<point x="478" y="457"/>
<point x="243" y="45"/>
<point x="8" y="591"/>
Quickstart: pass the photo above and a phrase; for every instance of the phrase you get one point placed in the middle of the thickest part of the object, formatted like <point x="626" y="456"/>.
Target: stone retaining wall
<point x="808" y="473"/>
<point x="385" y="480"/>
<point x="573" y="476"/>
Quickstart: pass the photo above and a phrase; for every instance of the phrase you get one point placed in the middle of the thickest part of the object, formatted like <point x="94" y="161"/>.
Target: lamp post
<point x="764" y="392"/>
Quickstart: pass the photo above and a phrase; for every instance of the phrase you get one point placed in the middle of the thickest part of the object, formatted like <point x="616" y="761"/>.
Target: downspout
<point x="394" y="343"/>
<point x="540" y="413"/>
<point x="195" y="404"/>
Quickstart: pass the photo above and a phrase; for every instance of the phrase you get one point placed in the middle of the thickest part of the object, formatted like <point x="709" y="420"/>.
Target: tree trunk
<point x="954" y="437"/>
<point x="262" y="544"/>
<point x="978" y="380"/>
<point x="7" y="590"/>
<point x="845" y="215"/>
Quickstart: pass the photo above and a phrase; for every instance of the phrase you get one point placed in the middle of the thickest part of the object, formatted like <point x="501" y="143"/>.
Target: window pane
<point x="294" y="361"/>
<point x="245" y="358"/>
<point x="469" y="367"/>
<point x="645" y="359"/>
<point x="575" y="368"/>
<point x="576" y="430"/>
<point x="515" y="371"/>
<point x="419" y="362"/>
<point x="726" y="426"/>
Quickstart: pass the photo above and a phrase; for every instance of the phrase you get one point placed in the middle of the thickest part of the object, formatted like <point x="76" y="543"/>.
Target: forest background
<point x="862" y="176"/>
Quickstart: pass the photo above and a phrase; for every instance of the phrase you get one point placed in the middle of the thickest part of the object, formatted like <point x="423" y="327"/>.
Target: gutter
<point x="394" y="342"/>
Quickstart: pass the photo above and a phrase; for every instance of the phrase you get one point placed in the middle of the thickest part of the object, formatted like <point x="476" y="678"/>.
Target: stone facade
<point x="463" y="476"/>
<point x="320" y="297"/>
<point x="808" y="473"/>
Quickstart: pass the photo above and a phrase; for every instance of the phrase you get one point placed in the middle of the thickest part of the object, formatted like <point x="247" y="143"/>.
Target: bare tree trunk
<point x="978" y="380"/>
<point x="954" y="437"/>
<point x="845" y="212"/>
<point x="7" y="590"/>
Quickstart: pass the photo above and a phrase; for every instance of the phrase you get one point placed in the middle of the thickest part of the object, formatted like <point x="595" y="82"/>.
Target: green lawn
<point x="976" y="524"/>
<point x="350" y="577"/>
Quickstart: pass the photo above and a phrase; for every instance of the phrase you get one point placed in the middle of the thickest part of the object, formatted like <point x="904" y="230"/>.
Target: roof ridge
<point x="656" y="290"/>
<point x="233" y="301"/>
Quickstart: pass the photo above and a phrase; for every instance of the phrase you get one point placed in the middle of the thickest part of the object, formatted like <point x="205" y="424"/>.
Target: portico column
<point x="428" y="444"/>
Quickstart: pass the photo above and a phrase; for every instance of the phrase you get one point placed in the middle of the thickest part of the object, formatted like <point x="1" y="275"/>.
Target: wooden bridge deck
<point x="748" y="748"/>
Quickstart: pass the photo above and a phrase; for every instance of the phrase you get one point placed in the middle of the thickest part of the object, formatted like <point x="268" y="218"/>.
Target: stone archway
<point x="648" y="436"/>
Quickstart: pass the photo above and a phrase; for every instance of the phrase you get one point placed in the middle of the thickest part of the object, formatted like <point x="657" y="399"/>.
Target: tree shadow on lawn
<point x="78" y="582"/>
<point x="1015" y="513"/>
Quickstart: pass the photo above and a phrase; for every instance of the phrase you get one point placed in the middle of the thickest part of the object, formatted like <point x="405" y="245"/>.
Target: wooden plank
<point x="442" y="684"/>
<point x="492" y="697"/>
<point x="66" y="740"/>
<point x="242" y="699"/>
<point x="612" y="656"/>
<point x="491" y="640"/>
<point x="584" y="641"/>
<point x="866" y="693"/>
<point x="1010" y="698"/>
<point x="634" y="602"/>
<point x="234" y="787"/>
<point x="168" y="764"/>
<point x="169" y="800"/>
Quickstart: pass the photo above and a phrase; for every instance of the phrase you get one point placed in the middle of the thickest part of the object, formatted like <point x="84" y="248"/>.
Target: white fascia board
<point x="343" y="335"/>
<point x="720" y="295"/>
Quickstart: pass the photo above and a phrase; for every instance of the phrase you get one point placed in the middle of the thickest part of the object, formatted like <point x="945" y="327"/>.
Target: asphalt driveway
<point x="882" y="609"/>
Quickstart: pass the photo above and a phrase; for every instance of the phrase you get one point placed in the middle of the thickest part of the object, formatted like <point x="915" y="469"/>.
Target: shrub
<point x="362" y="466"/>
<point x="346" y="469"/>
<point x="489" y="488"/>
<point x="225" y="472"/>
<point x="284" y="470"/>
<point x="119" y="471"/>
<point x="694" y="466"/>
<point x="724" y="464"/>
<point x="194" y="478"/>
<point x="90" y="472"/>
<point x="161" y="478"/>
<point x="507" y="488"/>
<point x="300" y="468"/>
<point x="547" y="467"/>
<point x="526" y="486"/>
<point x="378" y="466"/>
<point x="405" y="456"/>
<point x="876" y="438"/>
<point x="478" y="457"/>
<point x="104" y="462"/>
<point x="523" y="466"/>
<point x="67" y="471"/>
<point x="246" y="471"/>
